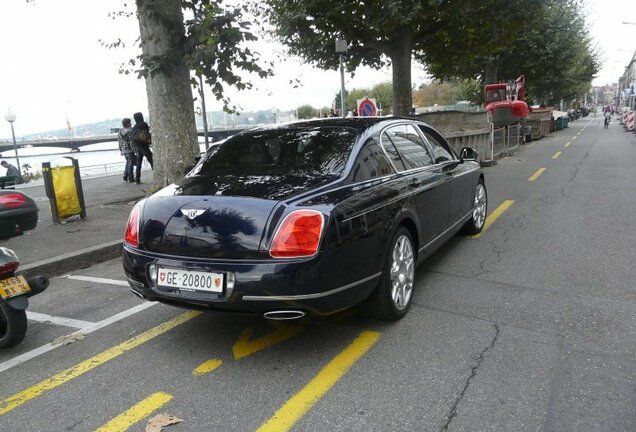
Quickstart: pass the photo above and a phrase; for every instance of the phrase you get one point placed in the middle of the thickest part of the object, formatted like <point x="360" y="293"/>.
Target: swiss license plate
<point x="190" y="280"/>
<point x="13" y="286"/>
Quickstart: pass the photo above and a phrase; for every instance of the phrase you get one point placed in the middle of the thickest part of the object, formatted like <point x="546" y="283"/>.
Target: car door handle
<point x="414" y="183"/>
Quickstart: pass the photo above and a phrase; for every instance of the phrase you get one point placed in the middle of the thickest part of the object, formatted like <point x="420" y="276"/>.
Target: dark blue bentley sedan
<point x="309" y="217"/>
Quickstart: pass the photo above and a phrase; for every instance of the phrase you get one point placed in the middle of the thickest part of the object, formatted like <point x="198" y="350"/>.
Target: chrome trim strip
<point x="465" y="173"/>
<point x="310" y="296"/>
<point x="459" y="222"/>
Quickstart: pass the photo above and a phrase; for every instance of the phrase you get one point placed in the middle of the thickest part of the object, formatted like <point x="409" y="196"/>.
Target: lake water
<point x="93" y="159"/>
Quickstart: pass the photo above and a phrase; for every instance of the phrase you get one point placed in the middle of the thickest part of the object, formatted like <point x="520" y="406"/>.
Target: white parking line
<point x="84" y="331"/>
<point x="68" y="322"/>
<point x="98" y="280"/>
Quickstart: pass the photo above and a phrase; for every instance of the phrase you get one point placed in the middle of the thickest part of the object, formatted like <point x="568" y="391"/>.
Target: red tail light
<point x="8" y="268"/>
<point x="12" y="200"/>
<point x="298" y="235"/>
<point x="131" y="236"/>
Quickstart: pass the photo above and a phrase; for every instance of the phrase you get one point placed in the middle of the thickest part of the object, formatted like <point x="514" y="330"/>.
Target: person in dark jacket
<point x="139" y="131"/>
<point x="126" y="149"/>
<point x="12" y="171"/>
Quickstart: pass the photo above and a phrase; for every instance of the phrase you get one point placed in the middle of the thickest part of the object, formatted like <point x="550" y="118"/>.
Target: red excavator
<point x="505" y="102"/>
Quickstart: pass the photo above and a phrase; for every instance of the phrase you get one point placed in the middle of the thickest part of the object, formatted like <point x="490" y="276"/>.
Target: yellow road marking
<point x="494" y="216"/>
<point x="574" y="137"/>
<point x="536" y="174"/>
<point x="301" y="402"/>
<point x="245" y="346"/>
<point x="207" y="367"/>
<point x="136" y="413"/>
<point x="81" y="368"/>
<point x="568" y="144"/>
<point x="556" y="155"/>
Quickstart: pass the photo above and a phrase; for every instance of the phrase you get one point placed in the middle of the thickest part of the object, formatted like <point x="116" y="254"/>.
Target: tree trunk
<point x="490" y="73"/>
<point x="401" y="65"/>
<point x="170" y="103"/>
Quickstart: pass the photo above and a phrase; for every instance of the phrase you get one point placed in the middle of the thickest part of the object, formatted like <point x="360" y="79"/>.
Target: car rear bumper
<point x="259" y="287"/>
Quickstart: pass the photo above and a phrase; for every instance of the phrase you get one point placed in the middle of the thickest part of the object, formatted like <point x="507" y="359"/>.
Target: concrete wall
<point x="478" y="140"/>
<point x="454" y="121"/>
<point x="540" y="114"/>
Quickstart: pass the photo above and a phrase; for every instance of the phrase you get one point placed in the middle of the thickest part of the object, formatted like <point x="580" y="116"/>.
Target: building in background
<point x="626" y="90"/>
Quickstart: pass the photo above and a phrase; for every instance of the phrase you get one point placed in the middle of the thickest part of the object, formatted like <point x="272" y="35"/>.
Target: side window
<point x="371" y="162"/>
<point x="410" y="146"/>
<point x="440" y="152"/>
<point x="390" y="149"/>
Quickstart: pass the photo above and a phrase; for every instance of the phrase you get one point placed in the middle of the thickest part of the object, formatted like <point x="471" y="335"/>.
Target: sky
<point x="53" y="67"/>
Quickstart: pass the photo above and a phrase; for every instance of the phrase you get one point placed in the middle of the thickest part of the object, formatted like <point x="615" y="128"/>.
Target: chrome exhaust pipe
<point x="137" y="294"/>
<point x="282" y="315"/>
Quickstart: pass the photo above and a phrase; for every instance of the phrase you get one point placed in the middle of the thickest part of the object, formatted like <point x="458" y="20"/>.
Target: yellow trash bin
<point x="63" y="186"/>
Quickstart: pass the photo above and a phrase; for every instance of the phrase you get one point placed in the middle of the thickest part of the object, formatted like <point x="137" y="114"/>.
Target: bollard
<point x="63" y="186"/>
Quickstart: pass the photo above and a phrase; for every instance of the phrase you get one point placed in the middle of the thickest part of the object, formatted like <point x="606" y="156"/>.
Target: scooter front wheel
<point x="13" y="326"/>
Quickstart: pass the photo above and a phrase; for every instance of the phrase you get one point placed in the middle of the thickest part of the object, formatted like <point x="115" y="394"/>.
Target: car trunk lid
<point x="216" y="217"/>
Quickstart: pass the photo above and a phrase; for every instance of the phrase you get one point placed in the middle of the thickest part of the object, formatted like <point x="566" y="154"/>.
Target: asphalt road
<point x="530" y="327"/>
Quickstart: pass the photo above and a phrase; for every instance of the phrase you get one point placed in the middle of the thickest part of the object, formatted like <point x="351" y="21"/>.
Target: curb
<point x="71" y="261"/>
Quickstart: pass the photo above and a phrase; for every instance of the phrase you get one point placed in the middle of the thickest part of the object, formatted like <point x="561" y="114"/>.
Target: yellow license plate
<point x="13" y="286"/>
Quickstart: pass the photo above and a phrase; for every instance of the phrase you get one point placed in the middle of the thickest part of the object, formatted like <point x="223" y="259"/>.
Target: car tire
<point x="479" y="211"/>
<point x="391" y="299"/>
<point x="13" y="326"/>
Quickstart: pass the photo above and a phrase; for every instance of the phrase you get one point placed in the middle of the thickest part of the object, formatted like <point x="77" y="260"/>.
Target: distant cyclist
<point x="607" y="113"/>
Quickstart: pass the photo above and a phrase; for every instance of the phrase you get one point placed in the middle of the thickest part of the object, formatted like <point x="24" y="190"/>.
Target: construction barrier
<point x="629" y="120"/>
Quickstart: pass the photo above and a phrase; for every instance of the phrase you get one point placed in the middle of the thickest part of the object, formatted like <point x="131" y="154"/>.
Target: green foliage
<point x="435" y="93"/>
<point x="337" y="99"/>
<point x="215" y="46"/>
<point x="496" y="40"/>
<point x="470" y="90"/>
<point x="448" y="93"/>
<point x="376" y="31"/>
<point x="306" y="112"/>
<point x="212" y="42"/>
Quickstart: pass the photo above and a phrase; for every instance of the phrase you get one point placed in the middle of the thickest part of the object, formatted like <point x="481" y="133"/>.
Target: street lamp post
<point x="10" y="117"/>
<point x="341" y="47"/>
<point x="205" y="116"/>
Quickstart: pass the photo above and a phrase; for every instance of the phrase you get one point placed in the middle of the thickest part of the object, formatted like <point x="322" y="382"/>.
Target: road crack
<point x="575" y="172"/>
<point x="473" y="373"/>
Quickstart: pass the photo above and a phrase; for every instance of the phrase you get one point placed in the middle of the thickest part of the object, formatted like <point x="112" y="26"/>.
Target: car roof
<point x="354" y="122"/>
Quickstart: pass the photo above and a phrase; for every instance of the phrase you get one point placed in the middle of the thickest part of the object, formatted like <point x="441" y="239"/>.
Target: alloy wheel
<point x="402" y="272"/>
<point x="479" y="206"/>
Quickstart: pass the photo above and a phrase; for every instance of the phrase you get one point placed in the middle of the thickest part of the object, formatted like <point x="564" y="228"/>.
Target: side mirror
<point x="468" y="153"/>
<point x="18" y="213"/>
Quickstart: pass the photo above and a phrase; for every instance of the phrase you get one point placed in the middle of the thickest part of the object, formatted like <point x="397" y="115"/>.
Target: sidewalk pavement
<point x="52" y="250"/>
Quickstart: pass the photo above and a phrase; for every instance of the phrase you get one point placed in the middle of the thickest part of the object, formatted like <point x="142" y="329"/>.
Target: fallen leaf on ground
<point x="158" y="422"/>
<point x="69" y="339"/>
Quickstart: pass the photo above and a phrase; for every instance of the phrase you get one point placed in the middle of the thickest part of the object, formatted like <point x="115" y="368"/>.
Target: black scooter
<point x="18" y="213"/>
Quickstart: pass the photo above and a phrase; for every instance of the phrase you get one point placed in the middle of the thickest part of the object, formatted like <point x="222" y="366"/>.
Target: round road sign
<point x="367" y="108"/>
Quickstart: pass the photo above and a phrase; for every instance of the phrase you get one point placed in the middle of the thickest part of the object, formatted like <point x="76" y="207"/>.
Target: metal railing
<point x="505" y="140"/>
<point x="109" y="168"/>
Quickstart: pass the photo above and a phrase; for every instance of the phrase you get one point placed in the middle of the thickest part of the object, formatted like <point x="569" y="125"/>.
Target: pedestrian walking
<point x="141" y="140"/>
<point x="126" y="150"/>
<point x="12" y="171"/>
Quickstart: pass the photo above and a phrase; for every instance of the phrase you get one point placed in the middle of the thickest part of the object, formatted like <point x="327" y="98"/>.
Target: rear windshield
<point x="315" y="151"/>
